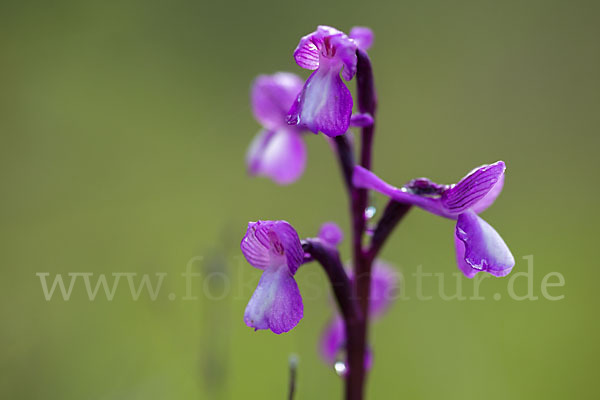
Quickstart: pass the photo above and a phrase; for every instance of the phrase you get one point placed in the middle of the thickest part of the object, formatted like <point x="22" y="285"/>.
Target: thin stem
<point x="345" y="155"/>
<point x="357" y="334"/>
<point x="392" y="215"/>
<point x="293" y="371"/>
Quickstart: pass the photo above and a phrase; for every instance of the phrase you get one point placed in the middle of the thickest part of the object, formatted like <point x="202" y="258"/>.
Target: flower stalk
<point x="323" y="104"/>
<point x="357" y="334"/>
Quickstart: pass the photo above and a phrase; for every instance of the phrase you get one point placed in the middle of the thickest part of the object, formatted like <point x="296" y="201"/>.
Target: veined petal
<point x="280" y="155"/>
<point x="473" y="188"/>
<point x="272" y="96"/>
<point x="327" y="45"/>
<point x="276" y="303"/>
<point x="490" y="197"/>
<point x="363" y="36"/>
<point x="480" y="248"/>
<point x="272" y="243"/>
<point x="325" y="103"/>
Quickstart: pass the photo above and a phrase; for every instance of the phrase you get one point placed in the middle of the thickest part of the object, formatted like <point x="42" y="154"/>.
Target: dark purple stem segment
<point x="392" y="215"/>
<point x="357" y="334"/>
<point x="345" y="154"/>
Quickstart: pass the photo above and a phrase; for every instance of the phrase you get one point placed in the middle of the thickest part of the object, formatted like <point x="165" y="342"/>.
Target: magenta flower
<point x="278" y="151"/>
<point x="478" y="246"/>
<point x="274" y="247"/>
<point x="325" y="103"/>
<point x="384" y="288"/>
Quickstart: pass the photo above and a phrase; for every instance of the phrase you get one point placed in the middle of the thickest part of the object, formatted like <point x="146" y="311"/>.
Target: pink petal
<point x="272" y="96"/>
<point x="325" y="104"/>
<point x="279" y="155"/>
<point x="276" y="303"/>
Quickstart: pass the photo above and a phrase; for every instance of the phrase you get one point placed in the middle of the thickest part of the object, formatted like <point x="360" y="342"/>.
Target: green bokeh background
<point x="123" y="131"/>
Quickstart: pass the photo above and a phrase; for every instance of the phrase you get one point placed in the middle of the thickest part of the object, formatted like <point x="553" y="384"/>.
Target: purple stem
<point x="392" y="215"/>
<point x="345" y="154"/>
<point x="357" y="333"/>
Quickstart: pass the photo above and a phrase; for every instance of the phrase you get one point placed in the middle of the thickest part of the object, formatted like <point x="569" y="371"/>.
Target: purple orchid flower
<point x="278" y="151"/>
<point x="384" y="288"/>
<point x="325" y="103"/>
<point x="478" y="246"/>
<point x="274" y="247"/>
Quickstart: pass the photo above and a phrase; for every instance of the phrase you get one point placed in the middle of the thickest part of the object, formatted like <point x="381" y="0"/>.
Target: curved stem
<point x="329" y="258"/>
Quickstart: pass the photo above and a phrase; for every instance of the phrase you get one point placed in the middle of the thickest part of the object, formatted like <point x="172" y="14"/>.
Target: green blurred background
<point x="123" y="131"/>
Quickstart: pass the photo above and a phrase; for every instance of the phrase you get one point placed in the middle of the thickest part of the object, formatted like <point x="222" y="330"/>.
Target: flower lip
<point x="480" y="248"/>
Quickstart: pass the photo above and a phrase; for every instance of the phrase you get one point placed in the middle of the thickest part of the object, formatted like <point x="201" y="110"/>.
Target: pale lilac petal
<point x="489" y="198"/>
<point x="483" y="249"/>
<point x="361" y="120"/>
<point x="276" y="303"/>
<point x="272" y="243"/>
<point x="333" y="340"/>
<point x="272" y="96"/>
<point x="280" y="155"/>
<point x="325" y="104"/>
<point x="363" y="36"/>
<point x="384" y="288"/>
<point x="472" y="188"/>
<point x="331" y="233"/>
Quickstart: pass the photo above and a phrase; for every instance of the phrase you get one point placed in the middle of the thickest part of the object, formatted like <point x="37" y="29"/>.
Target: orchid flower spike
<point x="325" y="103"/>
<point x="274" y="247"/>
<point x="277" y="151"/>
<point x="384" y="289"/>
<point x="478" y="246"/>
